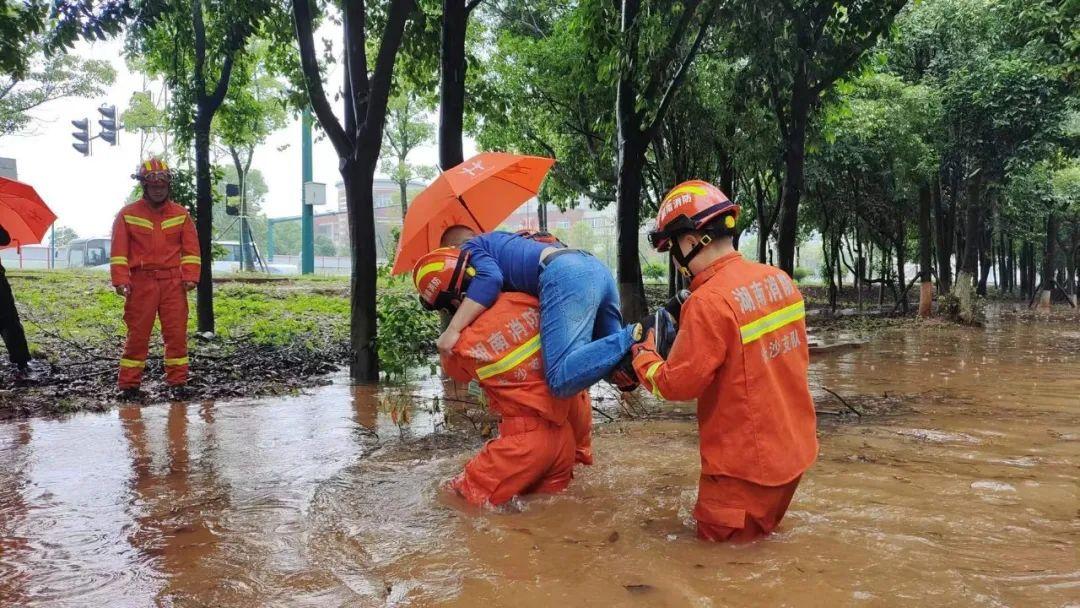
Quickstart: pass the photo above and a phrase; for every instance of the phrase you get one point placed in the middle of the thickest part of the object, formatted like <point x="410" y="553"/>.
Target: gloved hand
<point x="648" y="343"/>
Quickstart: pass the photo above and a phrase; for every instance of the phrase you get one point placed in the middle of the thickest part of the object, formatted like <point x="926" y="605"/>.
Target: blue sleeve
<point x="485" y="287"/>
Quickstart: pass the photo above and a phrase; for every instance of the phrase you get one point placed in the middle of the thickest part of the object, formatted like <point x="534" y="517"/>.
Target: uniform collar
<point x="157" y="210"/>
<point x="718" y="265"/>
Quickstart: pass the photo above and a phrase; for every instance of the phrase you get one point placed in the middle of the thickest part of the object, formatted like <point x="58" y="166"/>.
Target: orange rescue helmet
<point x="441" y="278"/>
<point x="691" y="205"/>
<point x="153" y="171"/>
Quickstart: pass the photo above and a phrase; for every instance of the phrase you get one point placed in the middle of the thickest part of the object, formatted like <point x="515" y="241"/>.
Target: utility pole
<point x="307" y="223"/>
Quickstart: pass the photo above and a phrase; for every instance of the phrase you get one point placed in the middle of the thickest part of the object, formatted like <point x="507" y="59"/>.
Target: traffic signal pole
<point x="307" y="222"/>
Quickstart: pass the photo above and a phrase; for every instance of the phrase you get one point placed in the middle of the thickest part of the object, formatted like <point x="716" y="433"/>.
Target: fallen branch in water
<point x="842" y="400"/>
<point x="603" y="413"/>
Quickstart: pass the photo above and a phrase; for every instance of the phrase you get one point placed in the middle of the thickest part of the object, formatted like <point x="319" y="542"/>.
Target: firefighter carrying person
<point x="741" y="351"/>
<point x="584" y="337"/>
<point x="540" y="436"/>
<point x="154" y="263"/>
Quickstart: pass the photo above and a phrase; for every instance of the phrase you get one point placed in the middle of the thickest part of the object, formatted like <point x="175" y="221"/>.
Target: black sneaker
<point x="24" y="374"/>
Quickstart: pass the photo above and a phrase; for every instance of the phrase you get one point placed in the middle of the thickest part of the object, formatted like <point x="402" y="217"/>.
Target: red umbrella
<point x="480" y="192"/>
<point x="23" y="214"/>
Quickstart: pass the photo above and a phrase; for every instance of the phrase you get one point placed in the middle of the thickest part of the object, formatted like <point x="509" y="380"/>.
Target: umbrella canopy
<point x="480" y="193"/>
<point x="23" y="214"/>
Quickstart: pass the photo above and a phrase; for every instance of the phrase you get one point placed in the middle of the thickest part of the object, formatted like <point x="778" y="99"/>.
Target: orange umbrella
<point x="22" y="213"/>
<point x="480" y="192"/>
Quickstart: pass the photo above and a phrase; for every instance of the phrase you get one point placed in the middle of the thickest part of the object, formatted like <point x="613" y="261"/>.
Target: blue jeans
<point x="582" y="337"/>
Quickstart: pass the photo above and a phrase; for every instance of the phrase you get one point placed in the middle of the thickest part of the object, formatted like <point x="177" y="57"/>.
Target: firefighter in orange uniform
<point x="155" y="262"/>
<point x="540" y="436"/>
<point x="741" y="351"/>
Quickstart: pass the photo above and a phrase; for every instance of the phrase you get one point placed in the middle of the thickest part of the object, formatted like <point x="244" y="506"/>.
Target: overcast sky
<point x="86" y="192"/>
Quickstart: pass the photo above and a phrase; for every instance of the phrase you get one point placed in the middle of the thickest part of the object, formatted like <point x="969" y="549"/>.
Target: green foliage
<point x="800" y="274"/>
<point x="45" y="80"/>
<point x="654" y="272"/>
<point x="407" y="332"/>
<point x="20" y="21"/>
<point x="64" y="235"/>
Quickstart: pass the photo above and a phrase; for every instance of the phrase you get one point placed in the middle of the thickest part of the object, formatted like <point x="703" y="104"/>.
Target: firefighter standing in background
<point x="155" y="262"/>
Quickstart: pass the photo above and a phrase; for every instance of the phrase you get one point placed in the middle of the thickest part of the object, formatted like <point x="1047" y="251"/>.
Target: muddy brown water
<point x="968" y="494"/>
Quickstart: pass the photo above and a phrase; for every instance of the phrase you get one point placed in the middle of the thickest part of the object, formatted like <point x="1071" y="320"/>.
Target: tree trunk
<point x="794" y="165"/>
<point x="763" y="226"/>
<point x="926" y="290"/>
<point x="1048" y="280"/>
<point x="628" y="193"/>
<point x="404" y="186"/>
<point x="944" y="231"/>
<point x="204" y="221"/>
<point x="985" y="255"/>
<point x="358" y="178"/>
<point x="964" y="290"/>
<point x="452" y="84"/>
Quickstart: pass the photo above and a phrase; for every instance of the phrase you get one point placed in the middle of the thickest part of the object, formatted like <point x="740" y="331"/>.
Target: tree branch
<point x="680" y="74"/>
<point x="222" y="87"/>
<point x="379" y="93"/>
<point x="471" y="5"/>
<point x="358" y="86"/>
<point x="313" y="80"/>
<point x="672" y="49"/>
<point x="200" y="47"/>
<point x="860" y="47"/>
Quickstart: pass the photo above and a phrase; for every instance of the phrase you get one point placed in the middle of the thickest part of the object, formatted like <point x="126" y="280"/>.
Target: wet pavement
<point x="967" y="493"/>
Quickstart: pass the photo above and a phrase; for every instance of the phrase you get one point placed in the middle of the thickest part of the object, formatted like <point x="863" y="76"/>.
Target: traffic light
<point x="109" y="127"/>
<point x="82" y="136"/>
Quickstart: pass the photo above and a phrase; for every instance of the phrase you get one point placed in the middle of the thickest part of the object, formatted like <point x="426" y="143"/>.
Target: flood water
<point x="967" y="492"/>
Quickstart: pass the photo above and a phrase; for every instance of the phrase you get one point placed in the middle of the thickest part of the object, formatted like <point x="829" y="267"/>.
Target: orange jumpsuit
<point x="540" y="436"/>
<point x="154" y="251"/>
<point x="741" y="352"/>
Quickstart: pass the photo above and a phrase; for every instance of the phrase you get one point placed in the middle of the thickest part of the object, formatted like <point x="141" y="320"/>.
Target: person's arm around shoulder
<point x="484" y="288"/>
<point x="699" y="350"/>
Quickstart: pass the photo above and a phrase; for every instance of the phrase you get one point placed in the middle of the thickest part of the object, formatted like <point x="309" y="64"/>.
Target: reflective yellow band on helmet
<point x="177" y="361"/>
<point x="118" y="260"/>
<point x="772" y="322"/>
<point x="426" y="270"/>
<point x="191" y="259"/>
<point x="515" y="358"/>
<point x="132" y="363"/>
<point x="699" y="190"/>
<point x="173" y="221"/>
<point x="139" y="221"/>
<point x="649" y="376"/>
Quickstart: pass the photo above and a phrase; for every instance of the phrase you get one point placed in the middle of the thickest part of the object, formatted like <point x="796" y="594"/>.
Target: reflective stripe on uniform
<point x="119" y="260"/>
<point x="173" y="221"/>
<point x="190" y="259"/>
<point x="772" y="322"/>
<point x="132" y="363"/>
<point x="426" y="270"/>
<point x="139" y="221"/>
<point x="649" y="376"/>
<point x="512" y="360"/>
<point x="177" y="361"/>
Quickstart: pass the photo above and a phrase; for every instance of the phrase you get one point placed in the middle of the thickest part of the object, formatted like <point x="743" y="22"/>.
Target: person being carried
<point x="741" y="351"/>
<point x="11" y="329"/>
<point x="584" y="337"/>
<point x="540" y="435"/>
<point x="154" y="262"/>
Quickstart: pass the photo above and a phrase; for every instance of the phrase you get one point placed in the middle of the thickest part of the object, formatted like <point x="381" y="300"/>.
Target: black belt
<point x="544" y="263"/>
